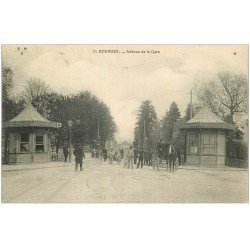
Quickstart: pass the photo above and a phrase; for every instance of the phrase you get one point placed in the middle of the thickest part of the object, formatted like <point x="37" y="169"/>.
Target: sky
<point x="123" y="80"/>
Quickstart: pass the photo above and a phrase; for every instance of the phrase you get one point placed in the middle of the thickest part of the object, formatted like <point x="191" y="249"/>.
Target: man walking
<point x="105" y="154"/>
<point x="130" y="157"/>
<point x="65" y="153"/>
<point x="135" y="155"/>
<point x="79" y="154"/>
<point x="140" y="160"/>
<point x="122" y="153"/>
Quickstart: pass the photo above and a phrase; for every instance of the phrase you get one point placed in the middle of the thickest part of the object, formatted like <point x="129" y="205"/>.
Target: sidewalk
<point x="29" y="166"/>
<point x="212" y="168"/>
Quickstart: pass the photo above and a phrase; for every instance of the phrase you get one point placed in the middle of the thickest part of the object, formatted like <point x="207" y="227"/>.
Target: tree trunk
<point x="231" y="115"/>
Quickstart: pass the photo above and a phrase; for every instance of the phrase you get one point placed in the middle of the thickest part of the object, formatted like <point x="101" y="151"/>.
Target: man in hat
<point x="79" y="154"/>
<point x="65" y="152"/>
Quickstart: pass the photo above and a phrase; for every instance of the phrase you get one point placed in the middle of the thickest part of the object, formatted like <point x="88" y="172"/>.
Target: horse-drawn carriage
<point x="114" y="157"/>
<point x="169" y="155"/>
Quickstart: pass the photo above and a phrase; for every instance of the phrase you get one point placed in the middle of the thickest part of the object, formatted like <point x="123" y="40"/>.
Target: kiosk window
<point x="39" y="143"/>
<point x="24" y="142"/>
<point x="194" y="140"/>
<point x="209" y="144"/>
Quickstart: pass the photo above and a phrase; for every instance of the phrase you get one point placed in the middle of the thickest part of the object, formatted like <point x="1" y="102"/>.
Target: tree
<point x="170" y="122"/>
<point x="188" y="112"/>
<point x="86" y="111"/>
<point x="227" y="95"/>
<point x="11" y="106"/>
<point x="7" y="82"/>
<point x="145" y="126"/>
<point x="36" y="91"/>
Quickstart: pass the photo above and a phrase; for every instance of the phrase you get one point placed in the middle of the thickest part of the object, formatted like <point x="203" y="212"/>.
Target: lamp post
<point x="70" y="124"/>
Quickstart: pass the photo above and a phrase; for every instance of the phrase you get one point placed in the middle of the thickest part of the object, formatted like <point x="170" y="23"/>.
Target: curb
<point x="68" y="164"/>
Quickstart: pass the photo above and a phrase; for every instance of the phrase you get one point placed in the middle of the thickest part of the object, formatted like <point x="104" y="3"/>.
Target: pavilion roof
<point x="205" y="118"/>
<point x="29" y="117"/>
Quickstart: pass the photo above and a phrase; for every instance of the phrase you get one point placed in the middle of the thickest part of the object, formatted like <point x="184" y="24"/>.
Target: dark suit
<point x="141" y="156"/>
<point x="135" y="156"/>
<point x="65" y="153"/>
<point x="79" y="154"/>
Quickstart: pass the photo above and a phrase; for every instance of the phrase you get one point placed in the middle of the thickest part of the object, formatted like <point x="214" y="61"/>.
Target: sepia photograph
<point x="124" y="123"/>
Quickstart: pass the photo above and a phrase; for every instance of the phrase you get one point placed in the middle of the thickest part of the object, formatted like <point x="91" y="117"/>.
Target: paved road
<point x="98" y="182"/>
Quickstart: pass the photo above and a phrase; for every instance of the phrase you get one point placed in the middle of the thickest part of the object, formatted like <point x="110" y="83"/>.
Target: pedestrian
<point x="135" y="155"/>
<point x="125" y="158"/>
<point x="118" y="157"/>
<point x="155" y="160"/>
<point x="95" y="153"/>
<point x="105" y="154"/>
<point x="130" y="157"/>
<point x="178" y="153"/>
<point x="53" y="154"/>
<point x="146" y="158"/>
<point x="79" y="154"/>
<point x="122" y="153"/>
<point x="111" y="156"/>
<point x="150" y="158"/>
<point x="101" y="155"/>
<point x="65" y="153"/>
<point x="140" y="158"/>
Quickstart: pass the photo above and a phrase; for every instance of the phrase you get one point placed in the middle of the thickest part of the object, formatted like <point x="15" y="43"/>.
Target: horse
<point x="172" y="158"/>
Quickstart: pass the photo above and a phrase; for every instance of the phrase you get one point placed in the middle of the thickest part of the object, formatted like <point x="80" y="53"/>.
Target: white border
<point x="125" y="226"/>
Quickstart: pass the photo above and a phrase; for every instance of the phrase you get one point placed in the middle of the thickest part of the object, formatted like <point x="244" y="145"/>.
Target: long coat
<point x="79" y="154"/>
<point x="65" y="151"/>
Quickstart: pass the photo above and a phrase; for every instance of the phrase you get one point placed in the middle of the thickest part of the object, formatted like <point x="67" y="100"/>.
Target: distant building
<point x="205" y="139"/>
<point x="28" y="137"/>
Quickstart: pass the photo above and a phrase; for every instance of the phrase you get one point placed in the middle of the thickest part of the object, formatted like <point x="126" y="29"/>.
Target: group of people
<point x="133" y="156"/>
<point x="165" y="152"/>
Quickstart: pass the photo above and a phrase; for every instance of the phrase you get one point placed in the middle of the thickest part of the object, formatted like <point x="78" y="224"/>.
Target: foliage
<point x="145" y="126"/>
<point x="10" y="105"/>
<point x="188" y="112"/>
<point x="236" y="149"/>
<point x="178" y="136"/>
<point x="171" y="122"/>
<point x="7" y="82"/>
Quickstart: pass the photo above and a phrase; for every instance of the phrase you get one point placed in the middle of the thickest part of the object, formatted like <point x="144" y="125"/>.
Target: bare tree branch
<point x="228" y="95"/>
